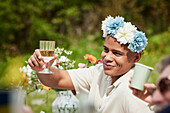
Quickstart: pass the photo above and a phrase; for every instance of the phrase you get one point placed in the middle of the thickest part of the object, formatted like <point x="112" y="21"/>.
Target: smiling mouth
<point x="108" y="66"/>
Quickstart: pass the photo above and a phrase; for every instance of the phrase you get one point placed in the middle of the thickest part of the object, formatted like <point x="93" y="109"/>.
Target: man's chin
<point x="109" y="73"/>
<point x="159" y="107"/>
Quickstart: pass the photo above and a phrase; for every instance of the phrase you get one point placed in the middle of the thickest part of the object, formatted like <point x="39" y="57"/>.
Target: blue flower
<point x="112" y="25"/>
<point x="139" y="42"/>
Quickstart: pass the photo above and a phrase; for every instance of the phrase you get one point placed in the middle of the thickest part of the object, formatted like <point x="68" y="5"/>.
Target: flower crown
<point x="125" y="33"/>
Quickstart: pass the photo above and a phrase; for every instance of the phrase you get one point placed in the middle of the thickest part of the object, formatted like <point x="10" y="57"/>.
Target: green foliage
<point x="93" y="45"/>
<point x="24" y="23"/>
<point x="160" y="43"/>
<point x="10" y="75"/>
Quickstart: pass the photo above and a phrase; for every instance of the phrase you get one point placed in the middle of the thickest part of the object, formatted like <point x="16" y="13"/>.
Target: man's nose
<point x="157" y="97"/>
<point x="109" y="57"/>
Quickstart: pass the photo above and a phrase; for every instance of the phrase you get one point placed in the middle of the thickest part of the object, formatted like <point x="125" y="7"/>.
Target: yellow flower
<point x="24" y="79"/>
<point x="45" y="87"/>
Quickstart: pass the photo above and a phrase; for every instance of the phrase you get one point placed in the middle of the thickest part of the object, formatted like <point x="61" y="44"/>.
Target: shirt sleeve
<point x="82" y="78"/>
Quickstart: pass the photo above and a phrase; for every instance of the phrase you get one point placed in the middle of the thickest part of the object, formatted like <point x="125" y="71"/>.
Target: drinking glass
<point x="47" y="51"/>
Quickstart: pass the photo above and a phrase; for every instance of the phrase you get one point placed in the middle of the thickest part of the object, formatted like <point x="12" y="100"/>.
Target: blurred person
<point x="161" y="94"/>
<point x="106" y="84"/>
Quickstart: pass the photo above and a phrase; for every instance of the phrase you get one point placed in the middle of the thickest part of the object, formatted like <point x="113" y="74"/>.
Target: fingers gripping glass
<point x="47" y="51"/>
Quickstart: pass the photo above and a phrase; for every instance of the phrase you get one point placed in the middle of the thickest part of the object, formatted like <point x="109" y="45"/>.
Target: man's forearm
<point x="59" y="79"/>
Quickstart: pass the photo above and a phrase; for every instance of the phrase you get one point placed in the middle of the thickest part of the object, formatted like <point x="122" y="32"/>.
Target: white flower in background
<point x="60" y="67"/>
<point x="42" y="112"/>
<point x="73" y="62"/>
<point x="24" y="69"/>
<point x="39" y="90"/>
<point x="27" y="70"/>
<point x="126" y="33"/>
<point x="29" y="74"/>
<point x="71" y="65"/>
<point x="59" y="51"/>
<point x="68" y="52"/>
<point x="29" y="82"/>
<point x="63" y="59"/>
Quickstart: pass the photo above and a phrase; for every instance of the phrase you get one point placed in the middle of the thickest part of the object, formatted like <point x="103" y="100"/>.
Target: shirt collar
<point x="123" y="78"/>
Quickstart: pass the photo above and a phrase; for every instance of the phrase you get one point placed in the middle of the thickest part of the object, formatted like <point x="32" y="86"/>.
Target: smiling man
<point x="106" y="84"/>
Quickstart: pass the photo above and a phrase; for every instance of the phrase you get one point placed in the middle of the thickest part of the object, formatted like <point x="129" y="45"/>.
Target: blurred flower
<point x="24" y="78"/>
<point x="63" y="59"/>
<point x="29" y="80"/>
<point x="59" y="51"/>
<point x="68" y="52"/>
<point x="91" y="58"/>
<point x="99" y="61"/>
<point x="81" y="65"/>
<point x="42" y="112"/>
<point x="45" y="87"/>
<point x="91" y="61"/>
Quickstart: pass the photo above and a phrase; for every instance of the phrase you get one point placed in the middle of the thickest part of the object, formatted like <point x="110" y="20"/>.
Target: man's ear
<point x="138" y="56"/>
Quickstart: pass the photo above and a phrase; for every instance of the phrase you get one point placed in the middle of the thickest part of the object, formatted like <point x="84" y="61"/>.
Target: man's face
<point x="117" y="59"/>
<point x="159" y="98"/>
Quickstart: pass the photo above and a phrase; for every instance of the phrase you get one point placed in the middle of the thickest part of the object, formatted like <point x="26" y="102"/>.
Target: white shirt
<point x="107" y="97"/>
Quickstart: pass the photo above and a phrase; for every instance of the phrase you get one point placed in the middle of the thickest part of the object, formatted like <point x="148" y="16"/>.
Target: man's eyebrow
<point x="105" y="46"/>
<point x="114" y="50"/>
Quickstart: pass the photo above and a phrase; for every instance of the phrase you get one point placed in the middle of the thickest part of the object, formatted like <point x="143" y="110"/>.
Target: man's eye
<point x="106" y="50"/>
<point x="117" y="53"/>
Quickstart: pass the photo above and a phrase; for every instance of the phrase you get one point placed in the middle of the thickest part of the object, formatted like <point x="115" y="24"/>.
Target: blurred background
<point x="76" y="26"/>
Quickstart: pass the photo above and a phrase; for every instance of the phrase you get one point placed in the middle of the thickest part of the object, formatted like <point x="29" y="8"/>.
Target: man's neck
<point x="114" y="78"/>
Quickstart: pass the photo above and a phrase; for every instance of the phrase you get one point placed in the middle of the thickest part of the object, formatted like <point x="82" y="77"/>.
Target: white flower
<point x="68" y="52"/>
<point x="24" y="69"/>
<point x="39" y="90"/>
<point x="60" y="67"/>
<point x="59" y="51"/>
<point x="63" y="59"/>
<point x="72" y="64"/>
<point x="29" y="74"/>
<point x="30" y="82"/>
<point x="42" y="112"/>
<point x="126" y="33"/>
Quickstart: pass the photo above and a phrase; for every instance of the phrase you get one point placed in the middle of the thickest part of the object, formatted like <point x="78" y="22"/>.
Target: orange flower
<point x="24" y="79"/>
<point x="45" y="87"/>
<point x="91" y="58"/>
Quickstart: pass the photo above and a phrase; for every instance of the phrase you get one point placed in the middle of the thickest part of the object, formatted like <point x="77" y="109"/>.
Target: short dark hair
<point x="163" y="63"/>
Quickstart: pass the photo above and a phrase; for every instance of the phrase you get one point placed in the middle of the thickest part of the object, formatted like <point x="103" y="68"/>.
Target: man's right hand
<point x="145" y="95"/>
<point x="37" y="63"/>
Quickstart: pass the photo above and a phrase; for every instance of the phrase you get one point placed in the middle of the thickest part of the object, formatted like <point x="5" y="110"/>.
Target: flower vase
<point x="65" y="102"/>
